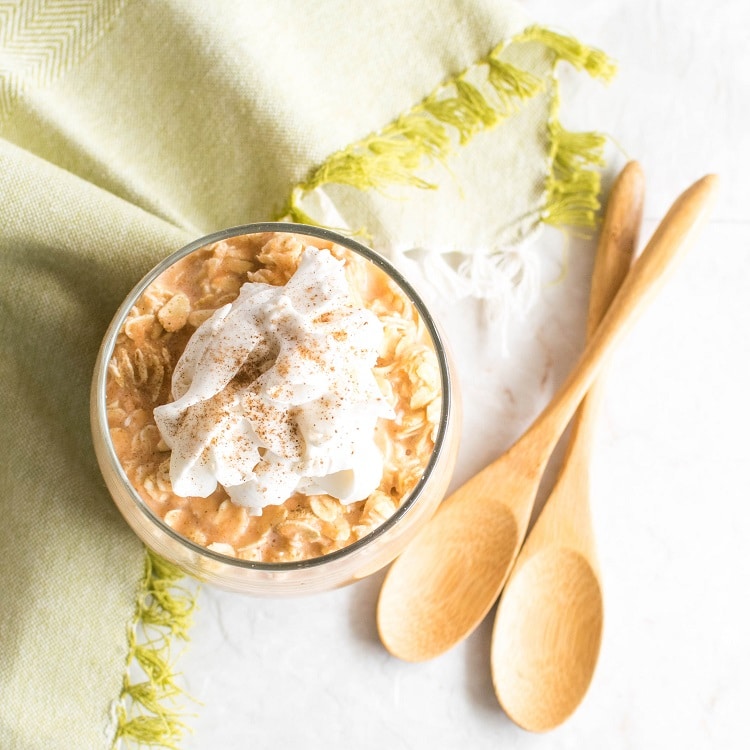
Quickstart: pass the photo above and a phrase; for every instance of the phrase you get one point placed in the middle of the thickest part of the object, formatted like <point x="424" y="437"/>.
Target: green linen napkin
<point x="128" y="129"/>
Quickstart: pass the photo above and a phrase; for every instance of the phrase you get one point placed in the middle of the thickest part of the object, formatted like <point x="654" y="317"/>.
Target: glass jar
<point x="345" y="565"/>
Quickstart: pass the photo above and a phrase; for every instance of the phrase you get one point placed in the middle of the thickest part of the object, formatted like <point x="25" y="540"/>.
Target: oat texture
<point x="151" y="341"/>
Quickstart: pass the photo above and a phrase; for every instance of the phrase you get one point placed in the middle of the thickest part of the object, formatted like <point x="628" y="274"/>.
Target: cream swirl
<point x="275" y="394"/>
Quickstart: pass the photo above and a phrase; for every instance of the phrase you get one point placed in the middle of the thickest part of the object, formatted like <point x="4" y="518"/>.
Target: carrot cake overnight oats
<point x="274" y="397"/>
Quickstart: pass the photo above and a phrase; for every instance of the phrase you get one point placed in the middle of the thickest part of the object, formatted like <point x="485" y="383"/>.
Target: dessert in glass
<point x="273" y="410"/>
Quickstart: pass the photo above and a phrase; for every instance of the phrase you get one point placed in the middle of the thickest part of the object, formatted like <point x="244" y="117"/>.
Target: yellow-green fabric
<point x="206" y="114"/>
<point x="127" y="129"/>
<point x="69" y="567"/>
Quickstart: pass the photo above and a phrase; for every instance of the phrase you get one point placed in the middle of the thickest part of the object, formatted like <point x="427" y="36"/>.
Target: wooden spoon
<point x="548" y="627"/>
<point x="449" y="576"/>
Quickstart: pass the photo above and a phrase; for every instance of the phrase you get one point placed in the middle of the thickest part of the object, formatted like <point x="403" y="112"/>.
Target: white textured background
<point x="670" y="493"/>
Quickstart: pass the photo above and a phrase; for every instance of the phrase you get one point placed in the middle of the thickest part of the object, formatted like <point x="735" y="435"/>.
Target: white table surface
<point x="670" y="495"/>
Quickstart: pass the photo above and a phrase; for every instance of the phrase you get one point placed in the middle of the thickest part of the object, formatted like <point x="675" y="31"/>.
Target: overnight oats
<point x="273" y="410"/>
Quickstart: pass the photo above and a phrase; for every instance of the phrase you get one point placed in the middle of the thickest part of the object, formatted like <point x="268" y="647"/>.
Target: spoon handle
<point x="614" y="255"/>
<point x="665" y="248"/>
<point x="617" y="241"/>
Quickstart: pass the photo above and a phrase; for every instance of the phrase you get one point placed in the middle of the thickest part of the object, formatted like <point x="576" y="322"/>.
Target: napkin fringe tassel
<point x="573" y="183"/>
<point x="506" y="281"/>
<point x="568" y="49"/>
<point x="147" y="711"/>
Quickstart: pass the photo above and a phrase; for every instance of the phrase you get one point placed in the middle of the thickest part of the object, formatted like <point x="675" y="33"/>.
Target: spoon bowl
<point x="459" y="586"/>
<point x="553" y="617"/>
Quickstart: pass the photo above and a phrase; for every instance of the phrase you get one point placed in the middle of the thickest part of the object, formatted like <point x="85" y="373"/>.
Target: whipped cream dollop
<point x="275" y="394"/>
